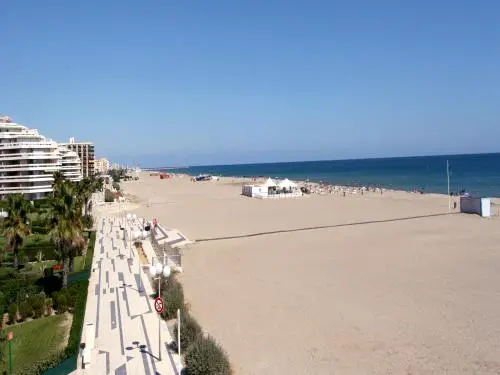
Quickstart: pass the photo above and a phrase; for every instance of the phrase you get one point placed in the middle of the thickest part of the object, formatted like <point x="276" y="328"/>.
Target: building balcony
<point x="26" y="190"/>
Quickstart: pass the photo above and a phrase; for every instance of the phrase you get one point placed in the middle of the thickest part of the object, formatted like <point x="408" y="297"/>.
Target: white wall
<point x="478" y="206"/>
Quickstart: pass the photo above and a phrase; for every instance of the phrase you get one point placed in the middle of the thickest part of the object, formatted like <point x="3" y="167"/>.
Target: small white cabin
<point x="253" y="190"/>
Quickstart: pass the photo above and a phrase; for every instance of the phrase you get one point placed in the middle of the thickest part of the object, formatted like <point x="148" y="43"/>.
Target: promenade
<point x="121" y="326"/>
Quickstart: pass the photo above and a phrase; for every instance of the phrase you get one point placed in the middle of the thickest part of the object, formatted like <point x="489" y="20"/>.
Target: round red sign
<point x="159" y="305"/>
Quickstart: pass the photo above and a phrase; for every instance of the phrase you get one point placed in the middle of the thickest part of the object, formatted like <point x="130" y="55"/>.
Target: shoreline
<point x="319" y="187"/>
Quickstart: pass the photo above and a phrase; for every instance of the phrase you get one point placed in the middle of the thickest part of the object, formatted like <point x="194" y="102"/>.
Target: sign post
<point x="159" y="307"/>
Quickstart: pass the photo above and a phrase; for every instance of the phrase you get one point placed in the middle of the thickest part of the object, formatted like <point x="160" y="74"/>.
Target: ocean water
<point x="478" y="174"/>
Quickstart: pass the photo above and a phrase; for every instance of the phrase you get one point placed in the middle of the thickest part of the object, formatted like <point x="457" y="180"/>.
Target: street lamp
<point x="156" y="273"/>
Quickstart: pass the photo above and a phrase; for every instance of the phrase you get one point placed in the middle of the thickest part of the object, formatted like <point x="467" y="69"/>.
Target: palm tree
<point x="58" y="178"/>
<point x="67" y="225"/>
<point x="86" y="187"/>
<point x="16" y="224"/>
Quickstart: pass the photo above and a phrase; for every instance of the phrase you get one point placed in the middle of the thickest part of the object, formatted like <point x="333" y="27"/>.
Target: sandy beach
<point x="326" y="284"/>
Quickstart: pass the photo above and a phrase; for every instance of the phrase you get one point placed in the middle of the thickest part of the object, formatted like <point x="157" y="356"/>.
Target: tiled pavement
<point x="120" y="314"/>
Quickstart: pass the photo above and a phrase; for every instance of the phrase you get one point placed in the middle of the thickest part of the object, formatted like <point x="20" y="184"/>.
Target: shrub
<point x="173" y="295"/>
<point x="13" y="312"/>
<point x="60" y="302"/>
<point x="25" y="310"/>
<point x="206" y="357"/>
<point x="37" y="302"/>
<point x="190" y="330"/>
<point x="12" y="289"/>
<point x="48" y="306"/>
<point x="80" y="289"/>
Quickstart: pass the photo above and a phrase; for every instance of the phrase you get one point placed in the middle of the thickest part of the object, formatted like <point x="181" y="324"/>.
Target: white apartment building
<point x="85" y="151"/>
<point x="70" y="164"/>
<point x="28" y="161"/>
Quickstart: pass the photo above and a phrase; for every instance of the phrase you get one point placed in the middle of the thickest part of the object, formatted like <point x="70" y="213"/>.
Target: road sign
<point x="159" y="305"/>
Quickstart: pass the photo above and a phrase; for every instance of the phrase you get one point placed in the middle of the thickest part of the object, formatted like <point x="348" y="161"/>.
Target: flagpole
<point x="448" y="178"/>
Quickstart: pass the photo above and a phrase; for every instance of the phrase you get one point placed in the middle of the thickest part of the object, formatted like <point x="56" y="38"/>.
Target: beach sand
<point x="366" y="294"/>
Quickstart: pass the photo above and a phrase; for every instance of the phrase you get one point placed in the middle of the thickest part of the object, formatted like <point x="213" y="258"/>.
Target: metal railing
<point x="165" y="249"/>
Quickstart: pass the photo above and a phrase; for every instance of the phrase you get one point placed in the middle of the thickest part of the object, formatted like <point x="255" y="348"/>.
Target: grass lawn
<point x="37" y="339"/>
<point x="32" y="244"/>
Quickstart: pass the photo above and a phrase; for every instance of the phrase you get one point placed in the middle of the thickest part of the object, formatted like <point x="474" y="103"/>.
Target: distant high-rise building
<point x="101" y="165"/>
<point x="28" y="161"/>
<point x="85" y="151"/>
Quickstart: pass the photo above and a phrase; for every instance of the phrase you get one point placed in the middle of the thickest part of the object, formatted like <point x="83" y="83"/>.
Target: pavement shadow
<point x="323" y="227"/>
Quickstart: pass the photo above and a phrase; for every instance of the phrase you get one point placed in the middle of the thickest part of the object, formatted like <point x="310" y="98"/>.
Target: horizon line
<point x="323" y="160"/>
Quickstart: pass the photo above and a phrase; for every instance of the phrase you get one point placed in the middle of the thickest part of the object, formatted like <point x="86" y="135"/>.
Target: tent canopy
<point x="269" y="183"/>
<point x="286" y="183"/>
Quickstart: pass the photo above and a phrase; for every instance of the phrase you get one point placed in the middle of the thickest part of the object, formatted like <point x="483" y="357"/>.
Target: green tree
<point x="16" y="224"/>
<point x="67" y="225"/>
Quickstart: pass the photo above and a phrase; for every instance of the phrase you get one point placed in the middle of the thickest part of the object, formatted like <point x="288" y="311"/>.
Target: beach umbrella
<point x="286" y="183"/>
<point x="269" y="183"/>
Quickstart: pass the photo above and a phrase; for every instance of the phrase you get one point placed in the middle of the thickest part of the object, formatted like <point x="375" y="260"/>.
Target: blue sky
<point x="212" y="81"/>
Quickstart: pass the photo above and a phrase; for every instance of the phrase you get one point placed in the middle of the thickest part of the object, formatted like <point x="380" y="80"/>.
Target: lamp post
<point x="10" y="336"/>
<point x="156" y="273"/>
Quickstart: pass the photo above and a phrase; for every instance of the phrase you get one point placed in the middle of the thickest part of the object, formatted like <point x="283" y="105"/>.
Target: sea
<point x="476" y="174"/>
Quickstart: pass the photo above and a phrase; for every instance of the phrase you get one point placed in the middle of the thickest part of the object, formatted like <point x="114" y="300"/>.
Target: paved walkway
<point x="120" y="317"/>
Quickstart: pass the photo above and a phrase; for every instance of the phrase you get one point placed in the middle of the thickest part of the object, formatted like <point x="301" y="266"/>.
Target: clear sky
<point x="212" y="81"/>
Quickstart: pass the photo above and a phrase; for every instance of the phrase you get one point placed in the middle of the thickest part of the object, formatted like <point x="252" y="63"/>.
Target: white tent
<point x="269" y="183"/>
<point x="286" y="183"/>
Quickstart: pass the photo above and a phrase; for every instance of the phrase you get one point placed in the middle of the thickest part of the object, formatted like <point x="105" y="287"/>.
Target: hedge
<point x="90" y="250"/>
<point x="39" y="367"/>
<point x="80" y="288"/>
